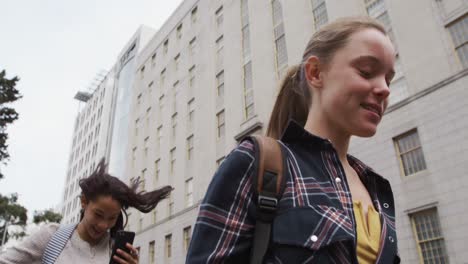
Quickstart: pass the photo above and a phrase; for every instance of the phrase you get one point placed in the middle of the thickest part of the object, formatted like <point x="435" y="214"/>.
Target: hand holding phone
<point x="121" y="239"/>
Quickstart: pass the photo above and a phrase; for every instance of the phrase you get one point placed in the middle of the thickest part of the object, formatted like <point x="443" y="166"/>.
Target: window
<point x="459" y="32"/>
<point x="192" y="46"/>
<point x="190" y="147"/>
<point x="146" y="146"/>
<point x="134" y="156"/>
<point x="248" y="91"/>
<point x="153" y="60"/>
<point x="246" y="41"/>
<point x="142" y="72"/>
<point x="187" y="237"/>
<point x="319" y="10"/>
<point x="176" y="61"/>
<point x="140" y="224"/>
<point x="221" y="126"/>
<point x="410" y="153"/>
<point x="398" y="84"/>
<point x="174" y="126"/>
<point x="220" y="84"/>
<point x="170" y="207"/>
<point x="194" y="15"/>
<point x="172" y="161"/>
<point x="219" y="52"/>
<point x="174" y="96"/>
<point x="151" y="252"/>
<point x="191" y="114"/>
<point x="374" y="7"/>
<point x="189" y="192"/>
<point x="166" y="46"/>
<point x="163" y="78"/>
<point x="161" y="104"/>
<point x="192" y="77"/>
<point x="156" y="173"/>
<point x="159" y="135"/>
<point x="377" y="9"/>
<point x="179" y="31"/>
<point x="428" y="235"/>
<point x="281" y="55"/>
<point x="136" y="126"/>
<point x="138" y="103"/>
<point x="155" y="215"/>
<point x="280" y="40"/>
<point x="245" y="29"/>
<point x="219" y="17"/>
<point x="143" y="180"/>
<point x="168" y="246"/>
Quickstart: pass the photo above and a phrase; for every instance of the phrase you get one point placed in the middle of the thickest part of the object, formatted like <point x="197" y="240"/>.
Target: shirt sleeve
<point x="225" y="225"/>
<point x="31" y="249"/>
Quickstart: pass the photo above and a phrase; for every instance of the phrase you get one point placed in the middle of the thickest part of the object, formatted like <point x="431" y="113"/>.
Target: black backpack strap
<point x="268" y="184"/>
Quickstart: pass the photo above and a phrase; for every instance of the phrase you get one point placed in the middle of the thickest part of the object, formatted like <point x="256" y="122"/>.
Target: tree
<point x="8" y="94"/>
<point x="11" y="213"/>
<point x="47" y="216"/>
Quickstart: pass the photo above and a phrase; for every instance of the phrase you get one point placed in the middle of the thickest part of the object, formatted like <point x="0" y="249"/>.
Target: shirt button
<point x="391" y="239"/>
<point x="337" y="180"/>
<point x="314" y="238"/>
<point x="385" y="205"/>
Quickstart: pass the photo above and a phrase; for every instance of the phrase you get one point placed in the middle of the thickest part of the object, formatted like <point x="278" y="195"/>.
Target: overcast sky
<point x="57" y="47"/>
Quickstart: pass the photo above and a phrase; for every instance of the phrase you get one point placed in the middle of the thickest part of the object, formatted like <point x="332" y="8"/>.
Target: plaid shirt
<point x="315" y="220"/>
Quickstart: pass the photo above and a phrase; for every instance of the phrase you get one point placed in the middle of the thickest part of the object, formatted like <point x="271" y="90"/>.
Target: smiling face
<point x="354" y="86"/>
<point x="100" y="215"/>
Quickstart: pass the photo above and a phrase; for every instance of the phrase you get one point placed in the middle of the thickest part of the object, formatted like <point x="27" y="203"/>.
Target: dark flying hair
<point x="100" y="183"/>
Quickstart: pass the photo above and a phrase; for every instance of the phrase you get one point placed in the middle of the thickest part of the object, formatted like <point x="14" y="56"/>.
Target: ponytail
<point x="293" y="102"/>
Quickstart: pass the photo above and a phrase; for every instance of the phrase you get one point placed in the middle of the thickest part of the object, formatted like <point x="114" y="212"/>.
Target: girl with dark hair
<point x="334" y="208"/>
<point x="104" y="201"/>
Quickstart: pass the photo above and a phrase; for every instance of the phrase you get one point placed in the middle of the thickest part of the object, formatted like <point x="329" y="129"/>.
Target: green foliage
<point x="13" y="213"/>
<point x="47" y="216"/>
<point x="8" y="94"/>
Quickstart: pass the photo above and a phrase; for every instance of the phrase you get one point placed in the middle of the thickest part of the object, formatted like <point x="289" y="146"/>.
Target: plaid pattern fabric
<point x="315" y="220"/>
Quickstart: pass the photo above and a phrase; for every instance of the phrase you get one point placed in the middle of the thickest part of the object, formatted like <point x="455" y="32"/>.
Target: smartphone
<point x="120" y="241"/>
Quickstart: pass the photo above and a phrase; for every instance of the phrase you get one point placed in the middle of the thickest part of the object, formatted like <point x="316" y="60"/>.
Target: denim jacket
<point x="315" y="220"/>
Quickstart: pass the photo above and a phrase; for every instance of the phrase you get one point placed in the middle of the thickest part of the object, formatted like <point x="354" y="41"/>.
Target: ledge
<point x="162" y="221"/>
<point x="427" y="91"/>
<point x="421" y="208"/>
<point x="256" y="125"/>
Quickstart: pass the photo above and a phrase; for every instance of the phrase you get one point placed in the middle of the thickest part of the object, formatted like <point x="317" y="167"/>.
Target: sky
<point x="56" y="48"/>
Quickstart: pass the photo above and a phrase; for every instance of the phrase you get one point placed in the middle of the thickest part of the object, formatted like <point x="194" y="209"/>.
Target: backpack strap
<point x="57" y="243"/>
<point x="268" y="183"/>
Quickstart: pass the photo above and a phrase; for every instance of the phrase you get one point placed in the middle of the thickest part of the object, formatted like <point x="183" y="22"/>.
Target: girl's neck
<point x="324" y="129"/>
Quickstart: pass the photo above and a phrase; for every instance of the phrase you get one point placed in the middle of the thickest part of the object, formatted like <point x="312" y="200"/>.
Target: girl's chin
<point x="367" y="131"/>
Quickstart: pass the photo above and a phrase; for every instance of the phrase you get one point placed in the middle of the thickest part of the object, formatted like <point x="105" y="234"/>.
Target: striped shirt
<point x="76" y="251"/>
<point x="315" y="220"/>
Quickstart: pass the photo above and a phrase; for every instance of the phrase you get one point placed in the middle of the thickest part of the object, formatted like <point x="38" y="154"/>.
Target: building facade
<point x="103" y="111"/>
<point x="90" y="135"/>
<point x="210" y="76"/>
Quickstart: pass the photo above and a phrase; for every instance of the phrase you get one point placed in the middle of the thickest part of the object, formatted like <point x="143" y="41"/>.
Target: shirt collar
<point x="295" y="133"/>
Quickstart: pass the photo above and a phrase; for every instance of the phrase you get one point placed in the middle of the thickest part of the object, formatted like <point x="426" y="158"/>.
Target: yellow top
<point x="368" y="233"/>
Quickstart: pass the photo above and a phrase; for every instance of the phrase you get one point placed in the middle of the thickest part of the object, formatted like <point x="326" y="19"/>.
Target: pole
<point x="5" y="232"/>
